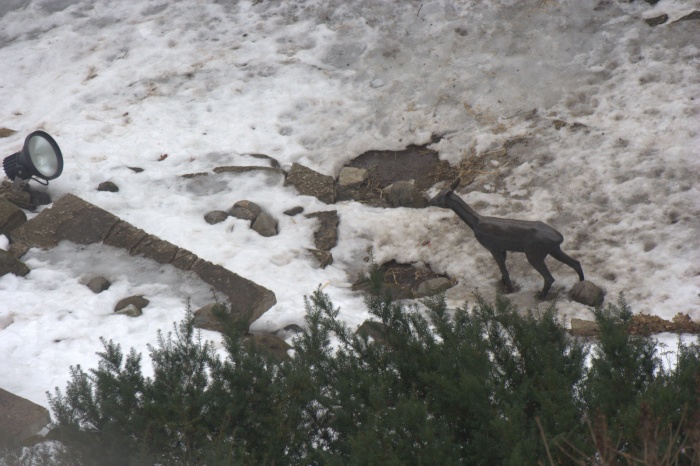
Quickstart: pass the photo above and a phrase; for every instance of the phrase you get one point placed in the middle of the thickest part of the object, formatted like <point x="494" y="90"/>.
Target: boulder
<point x="20" y="419"/>
<point x="432" y="287"/>
<point x="130" y="310"/>
<point x="131" y="306"/>
<point x="11" y="217"/>
<point x="108" y="186"/>
<point x="311" y="183"/>
<point x="588" y="293"/>
<point x="405" y="194"/>
<point x="350" y="180"/>
<point x="265" y="224"/>
<point x="373" y="329"/>
<point x="99" y="284"/>
<point x="215" y="216"/>
<point x="245" y="210"/>
<point x="9" y="264"/>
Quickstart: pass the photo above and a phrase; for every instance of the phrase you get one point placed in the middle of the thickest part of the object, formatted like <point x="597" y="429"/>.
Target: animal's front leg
<point x="500" y="258"/>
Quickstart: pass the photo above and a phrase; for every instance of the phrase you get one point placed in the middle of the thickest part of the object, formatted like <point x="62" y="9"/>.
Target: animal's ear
<point x="454" y="184"/>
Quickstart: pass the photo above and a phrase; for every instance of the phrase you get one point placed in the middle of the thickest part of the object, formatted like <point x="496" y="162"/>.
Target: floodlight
<point x="40" y="159"/>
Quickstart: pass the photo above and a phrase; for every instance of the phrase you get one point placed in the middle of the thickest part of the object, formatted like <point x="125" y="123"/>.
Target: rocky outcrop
<point x="73" y="219"/>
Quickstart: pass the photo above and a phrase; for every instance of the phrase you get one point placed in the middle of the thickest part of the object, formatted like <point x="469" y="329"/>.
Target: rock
<point x="265" y="224"/>
<point x="311" y="183"/>
<point x="376" y="330"/>
<point x="350" y="180"/>
<point x="70" y="218"/>
<point x="326" y="235"/>
<point x="130" y="310"/>
<point x="271" y="345"/>
<point x="137" y="302"/>
<point x="9" y="264"/>
<point x="20" y="419"/>
<point x="73" y="219"/>
<point x="246" y="297"/>
<point x="6" y="132"/>
<point x="155" y="248"/>
<point x="432" y="287"/>
<point x="215" y="216"/>
<point x="99" y="284"/>
<point x="657" y="20"/>
<point x="294" y="211"/>
<point x="405" y="194"/>
<point x="205" y="318"/>
<point x="324" y="258"/>
<point x="245" y="210"/>
<point x="135" y="169"/>
<point x="108" y="186"/>
<point x="11" y="216"/>
<point x="695" y="15"/>
<point x="588" y="293"/>
<point x="21" y="199"/>
<point x="584" y="328"/>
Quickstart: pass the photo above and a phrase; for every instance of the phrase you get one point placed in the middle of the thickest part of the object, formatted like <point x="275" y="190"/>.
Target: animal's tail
<point x="561" y="256"/>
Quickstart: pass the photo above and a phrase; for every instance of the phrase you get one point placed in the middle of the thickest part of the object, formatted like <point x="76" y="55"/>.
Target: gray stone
<point x="130" y="310"/>
<point x="184" y="260"/>
<point x="289" y="331"/>
<point x="135" y="169"/>
<point x="206" y="319"/>
<point x="657" y="20"/>
<point x="9" y="264"/>
<point x="324" y="258"/>
<point x="432" y="287"/>
<point x="245" y="210"/>
<point x="265" y="224"/>
<point x="294" y="211"/>
<point x="246" y="297"/>
<point x="350" y="181"/>
<point x="405" y="194"/>
<point x="20" y="419"/>
<point x="215" y="216"/>
<point x="11" y="216"/>
<point x="124" y="235"/>
<point x="155" y="248"/>
<point x="99" y="284"/>
<point x="311" y="183"/>
<point x="584" y="328"/>
<point x="588" y="293"/>
<point x="139" y="302"/>
<point x="70" y="218"/>
<point x="108" y="186"/>
<point x="326" y="235"/>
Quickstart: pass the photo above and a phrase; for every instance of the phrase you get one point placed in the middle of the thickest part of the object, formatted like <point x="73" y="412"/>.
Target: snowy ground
<point x="206" y="82"/>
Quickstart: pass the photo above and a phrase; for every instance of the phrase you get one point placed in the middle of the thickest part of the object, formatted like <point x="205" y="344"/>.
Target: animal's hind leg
<point x="537" y="261"/>
<point x="500" y="258"/>
<point x="561" y="256"/>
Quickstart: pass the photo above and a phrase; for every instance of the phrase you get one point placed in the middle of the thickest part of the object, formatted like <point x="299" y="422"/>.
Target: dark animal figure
<point x="499" y="235"/>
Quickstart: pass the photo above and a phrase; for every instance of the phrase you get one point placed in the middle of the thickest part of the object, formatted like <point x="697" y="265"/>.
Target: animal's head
<point x="440" y="199"/>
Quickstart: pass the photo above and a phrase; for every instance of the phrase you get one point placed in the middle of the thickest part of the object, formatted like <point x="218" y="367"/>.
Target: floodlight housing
<point x="40" y="159"/>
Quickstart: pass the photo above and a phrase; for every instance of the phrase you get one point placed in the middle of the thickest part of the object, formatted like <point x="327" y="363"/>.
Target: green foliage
<point x="486" y="385"/>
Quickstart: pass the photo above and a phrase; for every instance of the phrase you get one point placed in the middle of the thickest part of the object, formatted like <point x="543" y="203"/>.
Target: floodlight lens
<point x="43" y="156"/>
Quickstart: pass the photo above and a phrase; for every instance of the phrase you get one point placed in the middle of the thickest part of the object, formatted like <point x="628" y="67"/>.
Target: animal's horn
<point x="454" y="184"/>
